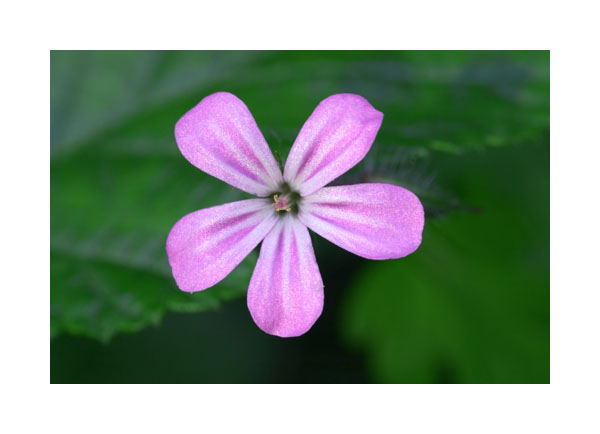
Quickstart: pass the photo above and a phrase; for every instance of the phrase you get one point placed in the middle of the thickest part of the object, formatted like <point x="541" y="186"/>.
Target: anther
<point x="281" y="203"/>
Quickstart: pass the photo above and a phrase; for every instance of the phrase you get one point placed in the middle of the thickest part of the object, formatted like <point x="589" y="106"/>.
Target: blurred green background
<point x="468" y="132"/>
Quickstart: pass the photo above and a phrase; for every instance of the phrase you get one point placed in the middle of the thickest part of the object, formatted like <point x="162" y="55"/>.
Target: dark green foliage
<point x="466" y="131"/>
<point x="472" y="305"/>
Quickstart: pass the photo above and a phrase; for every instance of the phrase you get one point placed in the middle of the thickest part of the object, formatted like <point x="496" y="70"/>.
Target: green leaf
<point x="119" y="183"/>
<point x="109" y="223"/>
<point x="117" y="188"/>
<point x="472" y="304"/>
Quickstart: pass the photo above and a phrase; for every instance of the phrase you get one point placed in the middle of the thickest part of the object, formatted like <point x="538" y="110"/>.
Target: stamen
<point x="281" y="203"/>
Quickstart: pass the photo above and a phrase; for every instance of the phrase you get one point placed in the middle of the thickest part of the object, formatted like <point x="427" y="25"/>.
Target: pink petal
<point x="285" y="296"/>
<point x="204" y="246"/>
<point x="375" y="221"/>
<point x="335" y="137"/>
<point x="220" y="137"/>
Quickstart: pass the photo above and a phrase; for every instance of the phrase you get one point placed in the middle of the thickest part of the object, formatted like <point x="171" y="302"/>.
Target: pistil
<point x="281" y="203"/>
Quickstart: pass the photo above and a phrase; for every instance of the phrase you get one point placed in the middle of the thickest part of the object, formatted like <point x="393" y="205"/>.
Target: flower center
<point x="281" y="203"/>
<point x="286" y="200"/>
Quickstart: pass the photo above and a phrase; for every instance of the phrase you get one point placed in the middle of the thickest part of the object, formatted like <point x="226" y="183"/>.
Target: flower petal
<point x="204" y="246"/>
<point x="220" y="137"/>
<point x="375" y="221"/>
<point x="285" y="296"/>
<point x="336" y="136"/>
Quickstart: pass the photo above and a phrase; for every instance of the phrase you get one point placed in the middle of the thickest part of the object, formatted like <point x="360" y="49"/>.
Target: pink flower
<point x="285" y="296"/>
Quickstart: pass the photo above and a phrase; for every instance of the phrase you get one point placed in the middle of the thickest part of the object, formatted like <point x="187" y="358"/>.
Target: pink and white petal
<point x="375" y="221"/>
<point x="285" y="296"/>
<point x="204" y="246"/>
<point x="220" y="137"/>
<point x="336" y="136"/>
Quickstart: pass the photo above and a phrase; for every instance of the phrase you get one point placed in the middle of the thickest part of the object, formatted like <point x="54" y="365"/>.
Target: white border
<point x="31" y="29"/>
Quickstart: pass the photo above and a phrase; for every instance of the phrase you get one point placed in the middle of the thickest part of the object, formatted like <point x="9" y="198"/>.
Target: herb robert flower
<point x="285" y="297"/>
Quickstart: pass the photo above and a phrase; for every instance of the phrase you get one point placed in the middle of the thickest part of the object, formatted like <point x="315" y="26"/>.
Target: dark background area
<point x="468" y="132"/>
